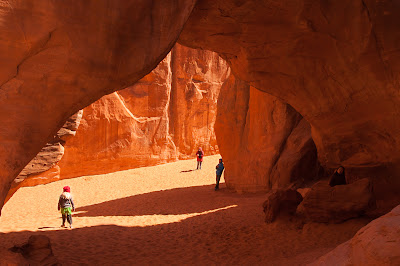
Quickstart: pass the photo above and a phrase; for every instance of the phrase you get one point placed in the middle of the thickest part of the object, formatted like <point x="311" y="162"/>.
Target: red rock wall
<point x="336" y="62"/>
<point x="264" y="142"/>
<point x="60" y="56"/>
<point x="162" y="118"/>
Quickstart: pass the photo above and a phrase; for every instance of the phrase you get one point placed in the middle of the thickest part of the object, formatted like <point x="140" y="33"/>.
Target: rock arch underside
<point x="306" y="86"/>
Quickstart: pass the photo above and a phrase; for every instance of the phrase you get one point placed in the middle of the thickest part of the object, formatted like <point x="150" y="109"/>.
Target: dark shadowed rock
<point x="337" y="204"/>
<point x="377" y="243"/>
<point x="265" y="143"/>
<point x="281" y="201"/>
<point x="37" y="251"/>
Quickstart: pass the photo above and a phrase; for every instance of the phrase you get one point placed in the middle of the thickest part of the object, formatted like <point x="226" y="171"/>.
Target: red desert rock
<point x="43" y="168"/>
<point x="378" y="243"/>
<point x="57" y="58"/>
<point x="37" y="251"/>
<point x="336" y="63"/>
<point x="339" y="203"/>
<point x="265" y="143"/>
<point x="165" y="116"/>
<point x="281" y="201"/>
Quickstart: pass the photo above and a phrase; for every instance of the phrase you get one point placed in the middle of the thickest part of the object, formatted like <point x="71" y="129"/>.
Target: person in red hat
<point x="200" y="155"/>
<point x="66" y="205"/>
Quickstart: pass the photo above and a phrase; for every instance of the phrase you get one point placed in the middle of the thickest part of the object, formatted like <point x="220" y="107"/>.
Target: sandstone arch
<point x="59" y="56"/>
<point x="335" y="62"/>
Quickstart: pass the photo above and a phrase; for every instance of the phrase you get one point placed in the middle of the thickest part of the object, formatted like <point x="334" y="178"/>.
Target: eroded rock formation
<point x="377" y="243"/>
<point x="265" y="143"/>
<point x="339" y="203"/>
<point x="336" y="63"/>
<point x="165" y="116"/>
<point x="37" y="251"/>
<point x="57" y="58"/>
<point x="281" y="202"/>
<point x="44" y="167"/>
<point x="338" y="69"/>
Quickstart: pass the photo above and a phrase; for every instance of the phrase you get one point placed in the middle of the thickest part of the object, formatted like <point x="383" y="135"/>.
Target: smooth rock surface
<point x="57" y="58"/>
<point x="339" y="203"/>
<point x="265" y="143"/>
<point x="378" y="243"/>
<point x="43" y="168"/>
<point x="162" y="118"/>
<point x="336" y="62"/>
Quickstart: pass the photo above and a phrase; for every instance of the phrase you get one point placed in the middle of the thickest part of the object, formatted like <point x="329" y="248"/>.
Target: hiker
<point x="220" y="168"/>
<point x="200" y="155"/>
<point x="66" y="205"/>
<point x="338" y="177"/>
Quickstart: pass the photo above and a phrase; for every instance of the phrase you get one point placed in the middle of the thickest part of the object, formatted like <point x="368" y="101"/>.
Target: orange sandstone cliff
<point x="166" y="116"/>
<point x="162" y="118"/>
<point x="335" y="62"/>
<point x="265" y="143"/>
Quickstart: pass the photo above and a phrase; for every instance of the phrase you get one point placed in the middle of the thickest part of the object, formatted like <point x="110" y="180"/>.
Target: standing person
<point x="338" y="177"/>
<point x="200" y="155"/>
<point x="66" y="205"/>
<point x="220" y="168"/>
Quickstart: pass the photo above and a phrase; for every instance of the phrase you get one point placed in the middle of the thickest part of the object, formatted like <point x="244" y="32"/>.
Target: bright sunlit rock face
<point x="57" y="58"/>
<point x="164" y="117"/>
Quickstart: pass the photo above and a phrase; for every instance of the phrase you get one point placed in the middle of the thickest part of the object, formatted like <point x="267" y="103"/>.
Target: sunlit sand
<point x="165" y="214"/>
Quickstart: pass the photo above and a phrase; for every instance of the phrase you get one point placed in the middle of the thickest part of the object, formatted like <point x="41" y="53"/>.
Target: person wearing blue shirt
<point x="220" y="168"/>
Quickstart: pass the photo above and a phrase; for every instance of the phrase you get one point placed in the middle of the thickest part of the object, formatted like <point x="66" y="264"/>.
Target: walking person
<point x="200" y="155"/>
<point x="66" y="205"/>
<point x="220" y="168"/>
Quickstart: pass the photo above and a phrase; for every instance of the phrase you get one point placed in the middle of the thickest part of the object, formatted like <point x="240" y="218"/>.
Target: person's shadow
<point x="186" y="171"/>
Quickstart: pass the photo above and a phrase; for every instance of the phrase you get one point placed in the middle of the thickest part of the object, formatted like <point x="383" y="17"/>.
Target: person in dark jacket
<point x="338" y="177"/>
<point x="220" y="168"/>
<point x="66" y="205"/>
<point x="200" y="155"/>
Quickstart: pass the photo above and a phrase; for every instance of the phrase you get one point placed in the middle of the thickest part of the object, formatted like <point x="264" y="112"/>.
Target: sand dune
<point x="166" y="214"/>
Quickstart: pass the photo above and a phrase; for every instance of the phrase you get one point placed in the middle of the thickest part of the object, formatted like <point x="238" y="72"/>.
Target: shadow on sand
<point x="187" y="171"/>
<point x="236" y="235"/>
<point x="165" y="202"/>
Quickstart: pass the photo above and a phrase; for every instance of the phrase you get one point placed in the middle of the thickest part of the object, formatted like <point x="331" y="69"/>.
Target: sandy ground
<point x="166" y="214"/>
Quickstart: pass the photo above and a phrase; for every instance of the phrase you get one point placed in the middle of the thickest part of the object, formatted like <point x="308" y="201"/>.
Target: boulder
<point x="9" y="258"/>
<point x="281" y="201"/>
<point x="377" y="243"/>
<point x="339" y="203"/>
<point x="37" y="251"/>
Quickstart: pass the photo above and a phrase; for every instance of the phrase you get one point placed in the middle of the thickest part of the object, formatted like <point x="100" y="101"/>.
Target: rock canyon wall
<point x="164" y="117"/>
<point x="265" y="143"/>
<point x="335" y="62"/>
<point x="338" y="69"/>
<point x="60" y="56"/>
